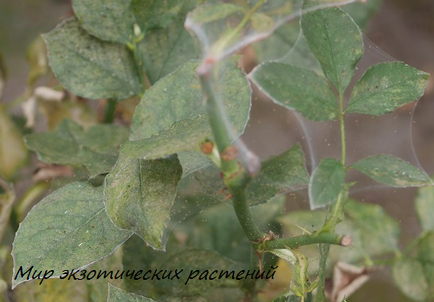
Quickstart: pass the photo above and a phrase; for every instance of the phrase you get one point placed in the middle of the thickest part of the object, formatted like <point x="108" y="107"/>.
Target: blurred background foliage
<point x="403" y="29"/>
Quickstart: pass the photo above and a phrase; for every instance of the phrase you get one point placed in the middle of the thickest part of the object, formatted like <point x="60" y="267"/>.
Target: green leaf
<point x="13" y="153"/>
<point x="278" y="44"/>
<point x="425" y="254"/>
<point x="301" y="56"/>
<point x="326" y="183"/>
<point x="178" y="96"/>
<point x="217" y="228"/>
<point x="385" y="87"/>
<point x="379" y="233"/>
<point x="192" y="260"/>
<point x="68" y="229"/>
<point x="69" y="144"/>
<point x="183" y="135"/>
<point x="89" y="67"/>
<point x="277" y="176"/>
<point x="165" y="47"/>
<point x="37" y="58"/>
<point x="176" y="101"/>
<point x="410" y="278"/>
<point x="297" y="89"/>
<point x="139" y="194"/>
<point x="192" y="161"/>
<point x="153" y="14"/>
<point x="392" y="171"/>
<point x="424" y="204"/>
<point x="109" y="20"/>
<point x="118" y="295"/>
<point x="362" y="12"/>
<point x="336" y="41"/>
<point x="98" y="288"/>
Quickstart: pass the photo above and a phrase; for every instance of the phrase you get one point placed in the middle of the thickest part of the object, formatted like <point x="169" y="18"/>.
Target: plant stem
<point x="235" y="176"/>
<point x="294" y="242"/>
<point x="250" y="284"/>
<point x="110" y="110"/>
<point x="337" y="210"/>
<point x="243" y="213"/>
<point x="342" y="126"/>
<point x="217" y="121"/>
<point x="324" y="252"/>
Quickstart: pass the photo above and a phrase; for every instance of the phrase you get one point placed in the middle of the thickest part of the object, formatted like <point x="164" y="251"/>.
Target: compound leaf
<point x="68" y="229"/>
<point x="326" y="183"/>
<point x="385" y="87"/>
<point x="89" y="67"/>
<point x="336" y="49"/>
<point x="139" y="194"/>
<point x="297" y="89"/>
<point x="392" y="171"/>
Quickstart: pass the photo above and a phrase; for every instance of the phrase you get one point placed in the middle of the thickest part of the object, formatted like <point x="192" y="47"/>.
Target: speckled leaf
<point x="217" y="228"/>
<point x="13" y="153"/>
<point x="109" y="20"/>
<point x="326" y="183"/>
<point x="183" y="135"/>
<point x="336" y="41"/>
<point x="179" y="96"/>
<point x="139" y="194"/>
<point x="68" y="229"/>
<point x="297" y="89"/>
<point x="424" y="204"/>
<point x="392" y="171"/>
<point x="409" y="276"/>
<point x="370" y="219"/>
<point x="277" y="176"/>
<point x="89" y="67"/>
<point x="385" y="87"/>
<point x="192" y="260"/>
<point x="152" y="14"/>
<point x="69" y="144"/>
<point x="117" y="295"/>
<point x="166" y="46"/>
